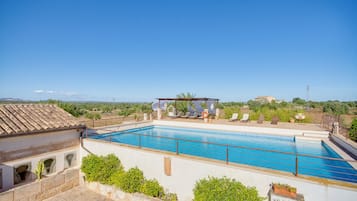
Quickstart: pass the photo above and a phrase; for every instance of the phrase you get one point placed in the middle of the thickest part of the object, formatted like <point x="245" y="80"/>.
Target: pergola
<point x="187" y="99"/>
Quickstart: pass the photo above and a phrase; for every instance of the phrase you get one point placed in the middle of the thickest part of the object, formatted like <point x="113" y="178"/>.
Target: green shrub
<point x="108" y="170"/>
<point x="91" y="164"/>
<point x="228" y="111"/>
<point x="100" y="168"/>
<point x="212" y="189"/>
<point x="353" y="130"/>
<point x="131" y="181"/>
<point x="335" y="107"/>
<point x="152" y="188"/>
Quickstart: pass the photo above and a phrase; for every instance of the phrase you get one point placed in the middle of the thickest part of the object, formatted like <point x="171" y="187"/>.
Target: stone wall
<point x="45" y="188"/>
<point x="116" y="194"/>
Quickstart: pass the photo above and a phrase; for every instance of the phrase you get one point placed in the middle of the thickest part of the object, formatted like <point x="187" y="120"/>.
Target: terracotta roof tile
<point x="32" y="118"/>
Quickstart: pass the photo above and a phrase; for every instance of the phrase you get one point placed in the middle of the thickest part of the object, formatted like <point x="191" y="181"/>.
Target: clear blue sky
<point x="140" y="50"/>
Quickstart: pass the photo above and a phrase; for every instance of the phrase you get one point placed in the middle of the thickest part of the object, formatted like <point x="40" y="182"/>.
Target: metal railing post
<point x="296" y="166"/>
<point x="227" y="159"/>
<point x="177" y="147"/>
<point x="139" y="141"/>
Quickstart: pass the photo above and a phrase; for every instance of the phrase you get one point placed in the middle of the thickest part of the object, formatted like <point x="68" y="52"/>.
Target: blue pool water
<point x="243" y="148"/>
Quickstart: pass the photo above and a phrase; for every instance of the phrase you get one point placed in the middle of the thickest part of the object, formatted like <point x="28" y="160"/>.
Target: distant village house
<point x="265" y="99"/>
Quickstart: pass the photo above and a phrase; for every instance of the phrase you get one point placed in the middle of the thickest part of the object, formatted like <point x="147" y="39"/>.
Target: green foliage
<point x="353" y="130"/>
<point x="299" y="101"/>
<point x="254" y="105"/>
<point x="116" y="177"/>
<point x="126" y="112"/>
<point x="39" y="169"/>
<point x="335" y="107"/>
<point x="94" y="116"/>
<point x="108" y="170"/>
<point x="183" y="105"/>
<point x="131" y="181"/>
<point x="228" y="111"/>
<point x="152" y="188"/>
<point x="146" y="108"/>
<point x="213" y="189"/>
<point x="101" y="168"/>
<point x="71" y="108"/>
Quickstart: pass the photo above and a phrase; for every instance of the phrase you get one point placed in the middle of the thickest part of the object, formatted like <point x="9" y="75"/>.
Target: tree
<point x="183" y="105"/>
<point x="93" y="116"/>
<point x="254" y="105"/>
<point x="125" y="112"/>
<point x="299" y="101"/>
<point x="353" y="130"/>
<point x="335" y="107"/>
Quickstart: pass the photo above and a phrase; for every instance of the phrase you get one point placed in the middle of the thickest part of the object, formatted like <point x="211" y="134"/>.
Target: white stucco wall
<point x="37" y="140"/>
<point x="186" y="171"/>
<point x="8" y="167"/>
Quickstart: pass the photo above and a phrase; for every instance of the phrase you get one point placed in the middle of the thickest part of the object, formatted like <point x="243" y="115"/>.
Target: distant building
<point x="30" y="133"/>
<point x="265" y="99"/>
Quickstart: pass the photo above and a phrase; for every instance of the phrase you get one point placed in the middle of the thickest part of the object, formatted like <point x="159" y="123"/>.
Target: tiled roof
<point x="34" y="118"/>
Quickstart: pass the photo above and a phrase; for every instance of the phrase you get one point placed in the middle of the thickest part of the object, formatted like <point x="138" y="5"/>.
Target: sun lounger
<point x="261" y="119"/>
<point x="275" y="120"/>
<point x="234" y="117"/>
<point x="245" y="117"/>
<point x="171" y="115"/>
<point x="186" y="115"/>
<point x="194" y="116"/>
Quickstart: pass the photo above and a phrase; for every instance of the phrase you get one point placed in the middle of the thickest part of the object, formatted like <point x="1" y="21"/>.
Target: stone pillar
<point x="158" y="113"/>
<point x="217" y="113"/>
<point x="335" y="128"/>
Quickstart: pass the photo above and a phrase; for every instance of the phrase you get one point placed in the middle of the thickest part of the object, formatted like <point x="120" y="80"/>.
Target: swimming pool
<point x="283" y="153"/>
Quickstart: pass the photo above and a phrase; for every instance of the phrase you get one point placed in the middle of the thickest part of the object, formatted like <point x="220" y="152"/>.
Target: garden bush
<point x="131" y="181"/>
<point x="109" y="170"/>
<point x="100" y="168"/>
<point x="152" y="188"/>
<point x="353" y="130"/>
<point x="213" y="189"/>
<point x="116" y="177"/>
<point x="228" y="111"/>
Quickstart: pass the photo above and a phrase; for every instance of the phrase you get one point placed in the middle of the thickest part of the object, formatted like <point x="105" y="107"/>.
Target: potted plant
<point x="284" y="190"/>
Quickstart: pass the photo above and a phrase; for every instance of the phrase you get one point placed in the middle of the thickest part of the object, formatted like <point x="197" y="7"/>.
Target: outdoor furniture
<point x="171" y="115"/>
<point x="234" y="117"/>
<point x="275" y="120"/>
<point x="299" y="117"/>
<point x="193" y="116"/>
<point x="245" y="117"/>
<point x="261" y="119"/>
<point x="186" y="115"/>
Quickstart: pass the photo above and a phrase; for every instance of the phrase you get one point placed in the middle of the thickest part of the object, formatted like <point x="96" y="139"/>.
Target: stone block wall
<point x="116" y="194"/>
<point x="45" y="188"/>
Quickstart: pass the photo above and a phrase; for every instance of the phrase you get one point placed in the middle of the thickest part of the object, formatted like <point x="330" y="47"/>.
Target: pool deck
<point x="285" y="125"/>
<point x="79" y="193"/>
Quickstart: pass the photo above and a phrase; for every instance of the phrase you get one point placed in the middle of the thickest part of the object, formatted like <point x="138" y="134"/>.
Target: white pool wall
<point x="187" y="170"/>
